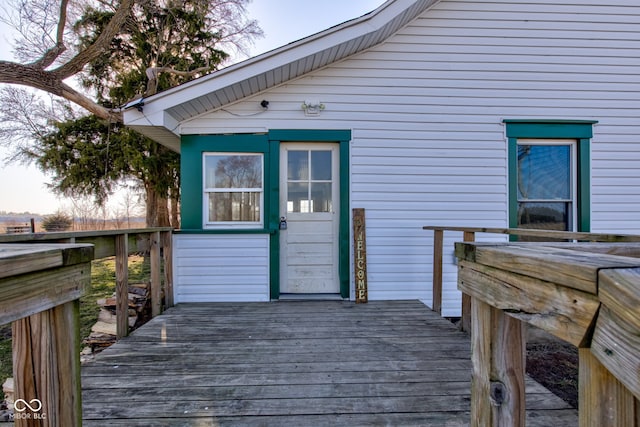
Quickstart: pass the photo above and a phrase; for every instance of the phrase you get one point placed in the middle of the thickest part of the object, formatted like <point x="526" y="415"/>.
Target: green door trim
<point x="192" y="149"/>
<point x="343" y="138"/>
<point x="579" y="130"/>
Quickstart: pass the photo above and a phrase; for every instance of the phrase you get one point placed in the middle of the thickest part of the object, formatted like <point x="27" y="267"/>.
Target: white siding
<point x="218" y="268"/>
<point x="426" y="110"/>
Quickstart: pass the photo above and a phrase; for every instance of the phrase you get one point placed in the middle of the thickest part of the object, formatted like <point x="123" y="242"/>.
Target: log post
<point x="122" y="285"/>
<point x="40" y="288"/>
<point x="46" y="368"/>
<point x="603" y="400"/>
<point x="498" y="356"/>
<point x="438" y="242"/>
<point x="465" y="320"/>
<point x="156" y="290"/>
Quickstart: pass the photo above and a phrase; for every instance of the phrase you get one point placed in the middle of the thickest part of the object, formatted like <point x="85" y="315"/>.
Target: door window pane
<point x="298" y="165"/>
<point x="298" y="200"/>
<point x="321" y="197"/>
<point x="309" y="181"/>
<point x="321" y="165"/>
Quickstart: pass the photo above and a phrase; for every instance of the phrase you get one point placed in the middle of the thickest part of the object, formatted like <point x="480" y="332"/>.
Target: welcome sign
<point x="360" y="255"/>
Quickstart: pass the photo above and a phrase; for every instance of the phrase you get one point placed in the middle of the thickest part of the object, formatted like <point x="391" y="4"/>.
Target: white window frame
<point x="208" y="190"/>
<point x="573" y="173"/>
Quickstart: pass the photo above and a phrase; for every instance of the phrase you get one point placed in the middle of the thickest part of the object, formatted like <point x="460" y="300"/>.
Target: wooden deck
<point x="295" y="363"/>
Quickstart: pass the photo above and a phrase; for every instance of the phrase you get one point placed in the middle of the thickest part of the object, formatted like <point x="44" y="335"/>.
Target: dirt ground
<point x="554" y="364"/>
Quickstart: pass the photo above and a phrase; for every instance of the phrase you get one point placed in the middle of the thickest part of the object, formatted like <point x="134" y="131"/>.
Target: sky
<point x="23" y="188"/>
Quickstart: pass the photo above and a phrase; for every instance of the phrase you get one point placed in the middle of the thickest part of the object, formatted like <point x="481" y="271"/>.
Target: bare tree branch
<point x="37" y="76"/>
<point x="53" y="53"/>
<point x="87" y="103"/>
<point x="28" y="75"/>
<point x="234" y="30"/>
<point x="77" y="63"/>
<point x="25" y="116"/>
<point x="154" y="72"/>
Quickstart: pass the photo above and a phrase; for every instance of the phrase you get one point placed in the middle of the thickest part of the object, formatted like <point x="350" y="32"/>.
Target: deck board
<point x="302" y="363"/>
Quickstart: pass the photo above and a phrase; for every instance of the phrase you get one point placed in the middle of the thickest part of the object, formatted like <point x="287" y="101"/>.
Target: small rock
<point x="6" y="416"/>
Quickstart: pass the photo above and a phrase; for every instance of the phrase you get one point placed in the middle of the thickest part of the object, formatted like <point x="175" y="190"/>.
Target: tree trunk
<point x="174" y="195"/>
<point x="157" y="208"/>
<point x="163" y="211"/>
<point x="152" y="206"/>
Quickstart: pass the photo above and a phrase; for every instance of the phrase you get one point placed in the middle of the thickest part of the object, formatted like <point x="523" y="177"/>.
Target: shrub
<point x="58" y="221"/>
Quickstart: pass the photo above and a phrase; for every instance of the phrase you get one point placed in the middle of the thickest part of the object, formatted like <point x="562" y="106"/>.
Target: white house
<point x="422" y="112"/>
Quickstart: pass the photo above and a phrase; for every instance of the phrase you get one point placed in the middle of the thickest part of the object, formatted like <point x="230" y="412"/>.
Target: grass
<point x="5" y="353"/>
<point x="102" y="285"/>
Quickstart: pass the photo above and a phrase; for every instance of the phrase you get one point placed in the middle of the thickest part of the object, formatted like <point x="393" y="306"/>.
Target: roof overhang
<point x="160" y="115"/>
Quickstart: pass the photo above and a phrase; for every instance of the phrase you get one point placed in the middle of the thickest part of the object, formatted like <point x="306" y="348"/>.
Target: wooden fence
<point x="587" y="294"/>
<point x="42" y="277"/>
<point x="469" y="235"/>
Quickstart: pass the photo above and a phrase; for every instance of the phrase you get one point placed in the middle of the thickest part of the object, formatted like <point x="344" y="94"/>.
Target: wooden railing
<point x="42" y="277"/>
<point x="40" y="287"/>
<point x="120" y="244"/>
<point x="587" y="294"/>
<point x="469" y="235"/>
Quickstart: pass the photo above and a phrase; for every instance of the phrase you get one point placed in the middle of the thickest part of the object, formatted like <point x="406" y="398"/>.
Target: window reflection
<point x="234" y="207"/>
<point x="234" y="187"/>
<point x="237" y="171"/>
<point x="544" y="187"/>
<point x="309" y="181"/>
<point x="298" y="165"/>
<point x="544" y="172"/>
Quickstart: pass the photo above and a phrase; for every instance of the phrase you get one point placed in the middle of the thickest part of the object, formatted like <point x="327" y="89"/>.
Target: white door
<point x="309" y="197"/>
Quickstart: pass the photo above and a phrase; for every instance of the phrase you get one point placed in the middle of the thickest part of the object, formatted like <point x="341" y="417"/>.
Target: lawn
<point x="102" y="285"/>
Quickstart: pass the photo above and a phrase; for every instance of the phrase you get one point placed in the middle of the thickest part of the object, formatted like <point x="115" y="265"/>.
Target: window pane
<point x="233" y="171"/>
<point x="544" y="172"/>
<point x="298" y="165"/>
<point x="545" y="216"/>
<point x="298" y="197"/>
<point x="238" y="206"/>
<point x="321" y="165"/>
<point x="321" y="197"/>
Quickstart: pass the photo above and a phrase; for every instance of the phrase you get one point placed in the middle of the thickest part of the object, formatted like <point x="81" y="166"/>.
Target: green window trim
<point x="214" y="189"/>
<point x="194" y="146"/>
<point x="578" y="130"/>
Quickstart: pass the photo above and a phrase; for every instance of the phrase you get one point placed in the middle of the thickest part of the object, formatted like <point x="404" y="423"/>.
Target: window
<point x="309" y="181"/>
<point x="549" y="173"/>
<point x="233" y="189"/>
<point x="545" y="184"/>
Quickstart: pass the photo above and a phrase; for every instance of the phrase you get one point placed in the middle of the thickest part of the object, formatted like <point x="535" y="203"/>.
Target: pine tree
<point x="160" y="45"/>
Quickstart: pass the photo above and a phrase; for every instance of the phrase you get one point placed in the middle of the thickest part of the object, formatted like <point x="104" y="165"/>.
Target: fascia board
<point x="374" y="21"/>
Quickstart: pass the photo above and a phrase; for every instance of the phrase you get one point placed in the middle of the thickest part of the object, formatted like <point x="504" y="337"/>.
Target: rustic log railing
<point x="587" y="294"/>
<point x="42" y="277"/>
<point x="40" y="287"/>
<point x="120" y="244"/>
<point x="469" y="235"/>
